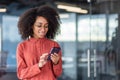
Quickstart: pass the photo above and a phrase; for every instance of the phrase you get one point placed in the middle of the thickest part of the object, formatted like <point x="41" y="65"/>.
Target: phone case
<point x="54" y="50"/>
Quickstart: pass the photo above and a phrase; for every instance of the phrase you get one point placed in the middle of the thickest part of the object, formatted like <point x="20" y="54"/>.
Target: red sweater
<point x="28" y="54"/>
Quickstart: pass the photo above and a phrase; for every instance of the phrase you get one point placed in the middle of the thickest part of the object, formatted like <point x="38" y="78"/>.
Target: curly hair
<point x="27" y="19"/>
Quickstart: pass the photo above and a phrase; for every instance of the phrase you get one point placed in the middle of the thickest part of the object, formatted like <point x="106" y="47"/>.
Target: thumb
<point x="45" y="54"/>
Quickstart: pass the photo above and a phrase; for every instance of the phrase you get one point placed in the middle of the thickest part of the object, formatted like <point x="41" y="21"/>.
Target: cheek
<point x="35" y="31"/>
<point x="46" y="30"/>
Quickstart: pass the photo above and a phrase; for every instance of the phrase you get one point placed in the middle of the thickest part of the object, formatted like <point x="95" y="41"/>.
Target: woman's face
<point x="40" y="27"/>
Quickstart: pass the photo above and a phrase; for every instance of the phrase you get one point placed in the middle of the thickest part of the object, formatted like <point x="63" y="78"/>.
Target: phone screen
<point x="54" y="50"/>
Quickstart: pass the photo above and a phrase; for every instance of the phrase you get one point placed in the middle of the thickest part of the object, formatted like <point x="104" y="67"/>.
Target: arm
<point x="57" y="68"/>
<point x="24" y="72"/>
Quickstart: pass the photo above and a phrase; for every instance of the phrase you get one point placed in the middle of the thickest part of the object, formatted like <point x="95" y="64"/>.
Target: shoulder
<point x="55" y="43"/>
<point x="52" y="41"/>
<point x="22" y="43"/>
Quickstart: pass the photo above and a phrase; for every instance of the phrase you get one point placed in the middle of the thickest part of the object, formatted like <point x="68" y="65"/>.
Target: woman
<point x="38" y="26"/>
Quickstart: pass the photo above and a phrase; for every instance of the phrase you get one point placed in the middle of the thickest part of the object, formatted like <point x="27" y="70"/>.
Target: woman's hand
<point x="43" y="60"/>
<point x="55" y="58"/>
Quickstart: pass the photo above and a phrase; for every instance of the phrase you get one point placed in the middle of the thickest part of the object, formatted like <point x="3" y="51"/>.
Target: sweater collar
<point x="39" y="39"/>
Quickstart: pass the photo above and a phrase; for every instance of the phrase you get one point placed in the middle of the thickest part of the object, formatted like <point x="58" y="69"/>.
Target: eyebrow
<point x="41" y="23"/>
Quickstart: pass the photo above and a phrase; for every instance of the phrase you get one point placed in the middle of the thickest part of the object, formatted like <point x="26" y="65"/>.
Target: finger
<point x="54" y="60"/>
<point x="41" y="57"/>
<point x="54" y="57"/>
<point x="41" y="60"/>
<point x="45" y="54"/>
<point x="56" y="54"/>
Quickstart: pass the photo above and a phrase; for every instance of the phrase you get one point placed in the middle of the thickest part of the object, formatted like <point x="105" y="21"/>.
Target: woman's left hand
<point x="55" y="58"/>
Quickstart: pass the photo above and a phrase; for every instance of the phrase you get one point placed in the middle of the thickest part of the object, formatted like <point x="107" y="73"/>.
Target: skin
<point x="40" y="29"/>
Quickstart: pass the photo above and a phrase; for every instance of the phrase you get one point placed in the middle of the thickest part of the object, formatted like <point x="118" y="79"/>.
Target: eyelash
<point x="40" y="26"/>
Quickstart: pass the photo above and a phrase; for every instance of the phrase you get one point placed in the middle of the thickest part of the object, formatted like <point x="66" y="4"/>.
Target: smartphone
<point x="54" y="50"/>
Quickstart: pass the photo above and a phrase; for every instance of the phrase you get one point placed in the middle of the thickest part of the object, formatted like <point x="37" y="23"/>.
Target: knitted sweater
<point x="28" y="54"/>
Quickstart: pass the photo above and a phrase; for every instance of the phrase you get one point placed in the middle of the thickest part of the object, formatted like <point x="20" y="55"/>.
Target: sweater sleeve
<point x="58" y="67"/>
<point x="24" y="72"/>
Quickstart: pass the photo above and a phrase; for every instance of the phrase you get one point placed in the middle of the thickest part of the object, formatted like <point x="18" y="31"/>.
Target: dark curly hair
<point x="27" y="19"/>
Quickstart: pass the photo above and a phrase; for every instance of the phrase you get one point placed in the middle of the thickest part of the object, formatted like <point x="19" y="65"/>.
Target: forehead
<point x="41" y="19"/>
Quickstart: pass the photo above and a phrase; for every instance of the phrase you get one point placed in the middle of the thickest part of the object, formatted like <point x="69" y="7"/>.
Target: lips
<point x="41" y="33"/>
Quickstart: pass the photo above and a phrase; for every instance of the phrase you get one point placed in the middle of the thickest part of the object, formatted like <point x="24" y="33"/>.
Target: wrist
<point x="55" y="63"/>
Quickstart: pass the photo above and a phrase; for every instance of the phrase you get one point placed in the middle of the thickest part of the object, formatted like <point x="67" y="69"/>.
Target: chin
<point x="41" y="36"/>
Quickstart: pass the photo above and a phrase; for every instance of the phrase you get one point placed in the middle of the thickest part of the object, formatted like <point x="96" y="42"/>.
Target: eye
<point x="46" y="26"/>
<point x="38" y="25"/>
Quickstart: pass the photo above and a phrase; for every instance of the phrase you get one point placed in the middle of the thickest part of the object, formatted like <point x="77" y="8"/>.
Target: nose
<point x="42" y="28"/>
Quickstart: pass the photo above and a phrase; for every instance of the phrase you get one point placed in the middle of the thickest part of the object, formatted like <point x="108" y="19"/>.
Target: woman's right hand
<point x="43" y="60"/>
